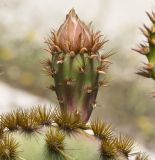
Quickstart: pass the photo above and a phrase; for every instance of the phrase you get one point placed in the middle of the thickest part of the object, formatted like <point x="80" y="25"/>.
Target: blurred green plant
<point x="147" y="48"/>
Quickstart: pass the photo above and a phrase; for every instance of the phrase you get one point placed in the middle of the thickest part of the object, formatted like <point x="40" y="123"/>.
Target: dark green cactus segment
<point x="76" y="81"/>
<point x="148" y="49"/>
<point x="9" y="148"/>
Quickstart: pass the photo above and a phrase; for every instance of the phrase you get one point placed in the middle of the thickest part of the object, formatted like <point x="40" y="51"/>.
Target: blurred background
<point x="126" y="102"/>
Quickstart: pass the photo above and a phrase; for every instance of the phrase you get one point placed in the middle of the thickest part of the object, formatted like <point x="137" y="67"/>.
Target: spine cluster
<point x="148" y="48"/>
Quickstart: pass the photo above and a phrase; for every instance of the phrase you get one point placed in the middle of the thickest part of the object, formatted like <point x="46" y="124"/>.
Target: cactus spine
<point x="78" y="70"/>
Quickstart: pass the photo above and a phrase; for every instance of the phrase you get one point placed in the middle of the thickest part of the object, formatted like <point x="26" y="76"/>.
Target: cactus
<point x="77" y="70"/>
<point x="76" y="65"/>
<point x="148" y="48"/>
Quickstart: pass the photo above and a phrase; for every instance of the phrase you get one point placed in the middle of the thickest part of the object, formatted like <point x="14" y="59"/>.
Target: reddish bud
<point x="74" y="36"/>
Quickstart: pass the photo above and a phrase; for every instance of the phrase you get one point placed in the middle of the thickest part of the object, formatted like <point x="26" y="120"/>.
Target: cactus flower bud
<point x="74" y="36"/>
<point x="76" y="65"/>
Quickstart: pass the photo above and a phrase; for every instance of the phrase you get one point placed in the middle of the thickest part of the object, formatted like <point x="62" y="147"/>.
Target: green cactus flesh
<point x="77" y="81"/>
<point x="42" y="134"/>
<point x="76" y="147"/>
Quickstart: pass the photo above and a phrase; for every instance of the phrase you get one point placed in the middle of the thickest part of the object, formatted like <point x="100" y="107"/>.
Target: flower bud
<point x="74" y="36"/>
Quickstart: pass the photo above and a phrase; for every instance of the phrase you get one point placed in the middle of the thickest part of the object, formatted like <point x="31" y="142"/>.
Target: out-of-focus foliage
<point x="20" y="62"/>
